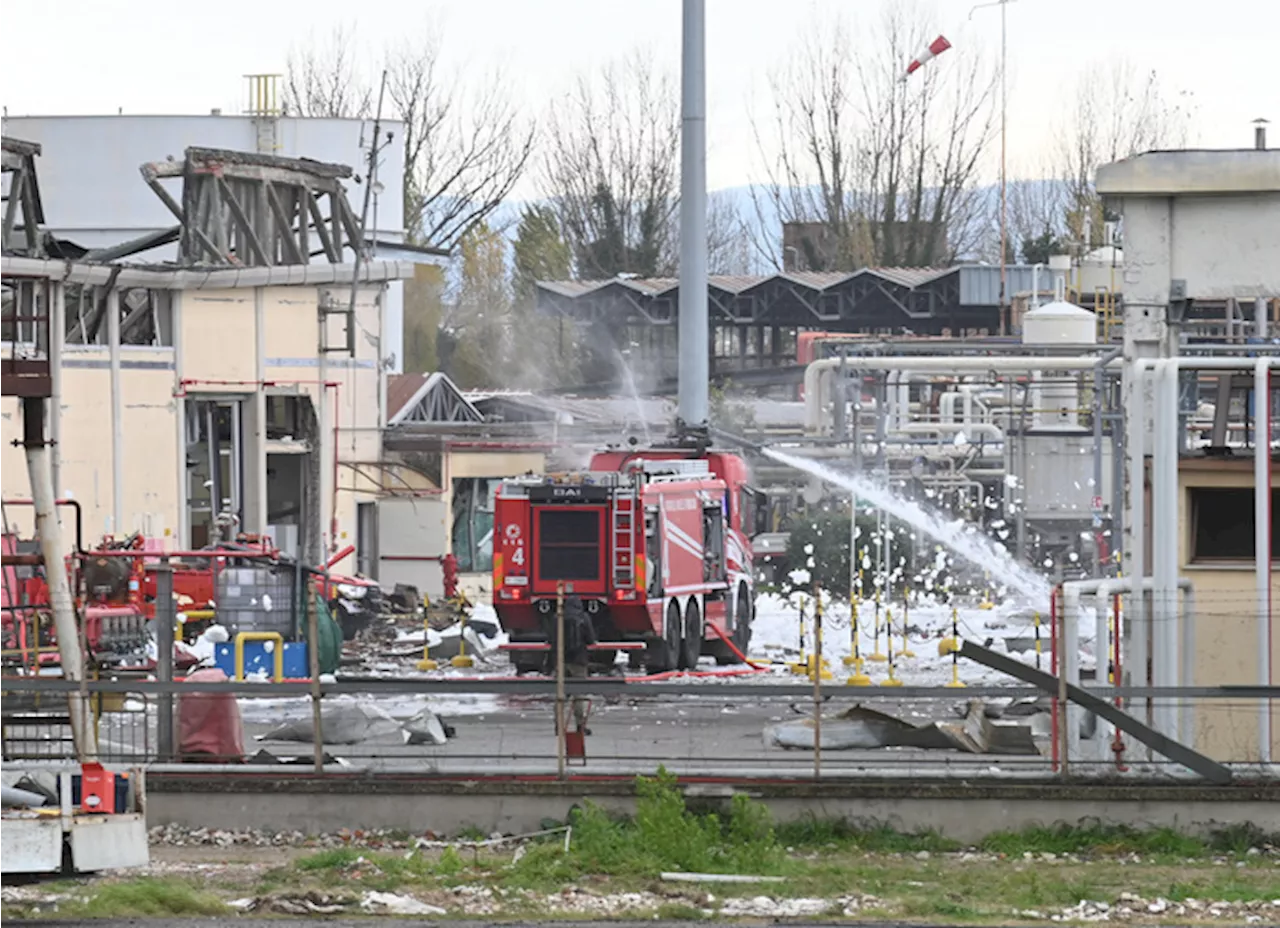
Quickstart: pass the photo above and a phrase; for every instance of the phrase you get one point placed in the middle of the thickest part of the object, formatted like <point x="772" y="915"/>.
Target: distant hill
<point x="761" y="220"/>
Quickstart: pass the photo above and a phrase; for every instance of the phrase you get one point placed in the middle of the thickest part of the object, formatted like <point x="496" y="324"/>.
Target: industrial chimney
<point x="1260" y="134"/>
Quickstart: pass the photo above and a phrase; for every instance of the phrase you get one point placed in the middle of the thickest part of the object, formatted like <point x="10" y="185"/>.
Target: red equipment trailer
<point x="656" y="542"/>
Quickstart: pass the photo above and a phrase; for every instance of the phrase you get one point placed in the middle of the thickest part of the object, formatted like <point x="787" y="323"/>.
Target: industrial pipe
<point x="47" y="529"/>
<point x="1262" y="535"/>
<point x="1165" y="494"/>
<point x="817" y="372"/>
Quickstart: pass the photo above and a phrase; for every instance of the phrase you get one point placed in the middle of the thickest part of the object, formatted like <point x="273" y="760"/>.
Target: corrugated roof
<point x="401" y="388"/>
<point x="818" y="280"/>
<point x="739" y="283"/>
<point x="910" y="276"/>
<point x="572" y="288"/>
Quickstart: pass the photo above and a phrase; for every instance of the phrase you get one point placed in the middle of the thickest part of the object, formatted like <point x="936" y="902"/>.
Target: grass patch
<point x="1095" y="838"/>
<point x="664" y="835"/>
<point x="149" y="896"/>
<point x="871" y="837"/>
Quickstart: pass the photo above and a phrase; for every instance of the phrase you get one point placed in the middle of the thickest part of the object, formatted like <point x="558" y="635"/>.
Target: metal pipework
<point x="816" y="375"/>
<point x="1072" y="590"/>
<point x="1164" y="494"/>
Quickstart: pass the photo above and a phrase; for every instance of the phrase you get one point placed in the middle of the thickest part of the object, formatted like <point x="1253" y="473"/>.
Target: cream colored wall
<point x="216" y="341"/>
<point x="292" y="338"/>
<point x="150" y="481"/>
<point x="1226" y="634"/>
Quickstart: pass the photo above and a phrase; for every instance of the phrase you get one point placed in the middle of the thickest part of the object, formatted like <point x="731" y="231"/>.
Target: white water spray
<point x="630" y="380"/>
<point x="974" y="547"/>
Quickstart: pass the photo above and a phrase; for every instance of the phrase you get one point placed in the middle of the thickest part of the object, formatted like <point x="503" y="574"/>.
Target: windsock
<point x="936" y="47"/>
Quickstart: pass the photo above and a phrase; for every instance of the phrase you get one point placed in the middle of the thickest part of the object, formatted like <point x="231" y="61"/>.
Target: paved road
<point x="692" y="735"/>
<point x="628" y="734"/>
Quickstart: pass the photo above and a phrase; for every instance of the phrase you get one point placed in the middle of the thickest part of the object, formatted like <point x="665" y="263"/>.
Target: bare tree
<point x="611" y="171"/>
<point x="1036" y="223"/>
<point x="464" y="150"/>
<point x="729" y="246"/>
<point x="465" y="147"/>
<point x="1118" y="112"/>
<point x="883" y="170"/>
<point x="322" y="80"/>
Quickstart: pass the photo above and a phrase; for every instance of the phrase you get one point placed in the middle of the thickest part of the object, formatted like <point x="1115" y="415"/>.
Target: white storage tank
<point x="1059" y="324"/>
<point x="1056" y="399"/>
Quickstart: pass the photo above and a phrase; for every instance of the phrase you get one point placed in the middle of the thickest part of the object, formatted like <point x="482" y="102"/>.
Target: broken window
<point x="473" y="523"/>
<point x="146" y="316"/>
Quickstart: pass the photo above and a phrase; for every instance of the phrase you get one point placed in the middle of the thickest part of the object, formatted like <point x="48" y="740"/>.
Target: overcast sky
<point x="100" y="56"/>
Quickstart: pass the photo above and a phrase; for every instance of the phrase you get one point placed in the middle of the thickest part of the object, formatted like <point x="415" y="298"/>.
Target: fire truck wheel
<point x="691" y="646"/>
<point x="663" y="654"/>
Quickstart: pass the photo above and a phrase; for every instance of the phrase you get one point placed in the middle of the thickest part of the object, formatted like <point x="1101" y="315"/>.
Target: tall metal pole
<point x="165" y="620"/>
<point x="1004" y="96"/>
<point x="694" y="365"/>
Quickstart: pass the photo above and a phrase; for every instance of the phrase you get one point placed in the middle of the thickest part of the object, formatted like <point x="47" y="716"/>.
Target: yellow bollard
<point x="854" y="657"/>
<point x="801" y="664"/>
<point x="427" y="663"/>
<point x="854" y="660"/>
<point x="892" y="680"/>
<point x="462" y="659"/>
<point x="906" y="614"/>
<point x="955" y="652"/>
<point x="986" y="596"/>
<point x="817" y="664"/>
<point x="876" y="655"/>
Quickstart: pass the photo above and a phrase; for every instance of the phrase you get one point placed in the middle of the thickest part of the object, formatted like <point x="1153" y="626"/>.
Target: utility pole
<point x="1004" y="108"/>
<point x="694" y="361"/>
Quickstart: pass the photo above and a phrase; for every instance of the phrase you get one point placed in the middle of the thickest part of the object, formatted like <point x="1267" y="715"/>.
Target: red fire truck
<point x="656" y="542"/>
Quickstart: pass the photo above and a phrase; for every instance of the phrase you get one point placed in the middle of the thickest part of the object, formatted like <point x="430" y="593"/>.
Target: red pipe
<point x="1117" y="743"/>
<point x="340" y="556"/>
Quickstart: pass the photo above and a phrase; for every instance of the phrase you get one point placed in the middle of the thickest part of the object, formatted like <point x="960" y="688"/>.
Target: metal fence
<point x="496" y="727"/>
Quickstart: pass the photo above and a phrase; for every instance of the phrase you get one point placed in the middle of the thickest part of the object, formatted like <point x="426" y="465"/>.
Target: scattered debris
<point x="863" y="727"/>
<point x="681" y="877"/>
<point x="395" y="904"/>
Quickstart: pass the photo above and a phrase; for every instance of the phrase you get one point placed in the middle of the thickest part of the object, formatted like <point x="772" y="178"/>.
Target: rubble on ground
<point x="1129" y="907"/>
<point x="374" y="838"/>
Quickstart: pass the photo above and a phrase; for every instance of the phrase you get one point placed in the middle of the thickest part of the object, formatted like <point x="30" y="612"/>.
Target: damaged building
<point x="238" y="385"/>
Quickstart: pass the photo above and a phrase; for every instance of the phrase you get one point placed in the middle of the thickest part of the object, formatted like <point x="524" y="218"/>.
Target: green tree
<point x="541" y="252"/>
<point x="551" y="350"/>
<point x="1037" y="249"/>
<point x="473" y="341"/>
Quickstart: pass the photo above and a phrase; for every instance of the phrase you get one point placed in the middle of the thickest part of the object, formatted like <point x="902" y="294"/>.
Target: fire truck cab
<point x="656" y="542"/>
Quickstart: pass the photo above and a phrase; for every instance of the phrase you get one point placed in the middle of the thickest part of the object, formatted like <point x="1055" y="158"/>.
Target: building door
<point x="215" y="469"/>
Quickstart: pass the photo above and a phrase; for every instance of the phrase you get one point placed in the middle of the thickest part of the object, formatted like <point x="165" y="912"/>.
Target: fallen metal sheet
<point x="863" y="728"/>
<point x="1207" y="767"/>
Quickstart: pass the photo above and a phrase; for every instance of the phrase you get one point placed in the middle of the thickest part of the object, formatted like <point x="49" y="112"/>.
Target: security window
<point x="1222" y="524"/>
